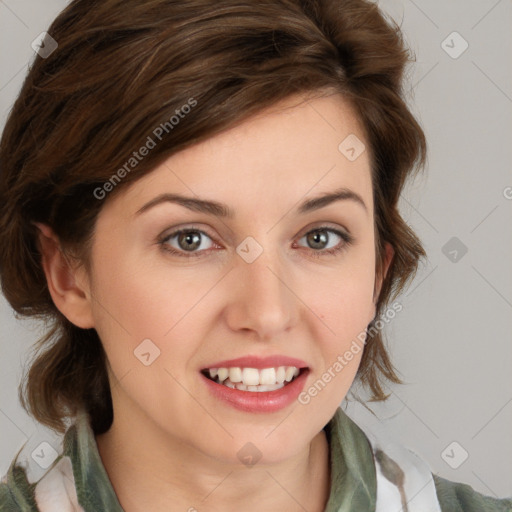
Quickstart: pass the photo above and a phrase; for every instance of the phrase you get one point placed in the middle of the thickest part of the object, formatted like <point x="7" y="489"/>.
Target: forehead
<point x="282" y="155"/>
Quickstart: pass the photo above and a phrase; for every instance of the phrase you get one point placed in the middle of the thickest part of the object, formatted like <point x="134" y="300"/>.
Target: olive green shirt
<point x="364" y="478"/>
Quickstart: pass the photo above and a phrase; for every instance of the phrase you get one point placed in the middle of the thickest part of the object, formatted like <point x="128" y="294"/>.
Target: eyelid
<point x="319" y="225"/>
<point x="185" y="227"/>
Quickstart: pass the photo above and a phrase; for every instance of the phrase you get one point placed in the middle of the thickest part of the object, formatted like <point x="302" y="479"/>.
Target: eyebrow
<point x="222" y="210"/>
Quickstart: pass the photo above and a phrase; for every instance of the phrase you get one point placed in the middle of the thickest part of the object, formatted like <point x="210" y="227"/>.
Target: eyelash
<point x="347" y="240"/>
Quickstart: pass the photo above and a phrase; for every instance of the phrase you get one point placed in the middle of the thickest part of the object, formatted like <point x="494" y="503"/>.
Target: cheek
<point x="143" y="316"/>
<point x="345" y="315"/>
<point x="134" y="302"/>
<point x="345" y="308"/>
<point x="126" y="292"/>
<point x="344" y="297"/>
<point x="343" y="303"/>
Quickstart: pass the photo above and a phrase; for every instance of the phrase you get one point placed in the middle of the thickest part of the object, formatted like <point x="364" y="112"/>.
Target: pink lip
<point x="259" y="362"/>
<point x="266" y="401"/>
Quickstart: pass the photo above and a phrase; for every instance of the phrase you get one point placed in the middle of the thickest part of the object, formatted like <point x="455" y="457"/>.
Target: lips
<point x="257" y="384"/>
<point x="259" y="362"/>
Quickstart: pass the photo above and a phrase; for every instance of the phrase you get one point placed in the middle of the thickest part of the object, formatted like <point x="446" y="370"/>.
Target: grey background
<point x="452" y="341"/>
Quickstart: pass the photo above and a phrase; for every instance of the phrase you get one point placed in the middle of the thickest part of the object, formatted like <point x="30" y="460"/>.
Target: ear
<point x="388" y="257"/>
<point x="67" y="283"/>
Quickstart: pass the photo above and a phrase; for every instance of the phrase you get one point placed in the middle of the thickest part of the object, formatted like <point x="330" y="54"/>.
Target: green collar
<point x="353" y="478"/>
<point x="93" y="487"/>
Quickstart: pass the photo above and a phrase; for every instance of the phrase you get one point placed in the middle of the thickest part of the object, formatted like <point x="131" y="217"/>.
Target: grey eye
<point x="318" y="238"/>
<point x="187" y="240"/>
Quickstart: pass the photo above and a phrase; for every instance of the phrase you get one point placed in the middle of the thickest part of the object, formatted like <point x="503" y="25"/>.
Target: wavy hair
<point x="123" y="67"/>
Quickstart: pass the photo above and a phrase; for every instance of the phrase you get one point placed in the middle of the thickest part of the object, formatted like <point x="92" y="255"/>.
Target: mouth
<point x="256" y="380"/>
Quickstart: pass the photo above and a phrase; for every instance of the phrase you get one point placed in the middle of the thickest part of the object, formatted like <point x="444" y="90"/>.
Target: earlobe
<point x="69" y="293"/>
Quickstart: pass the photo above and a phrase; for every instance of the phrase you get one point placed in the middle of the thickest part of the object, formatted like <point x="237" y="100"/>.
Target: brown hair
<point x="123" y="68"/>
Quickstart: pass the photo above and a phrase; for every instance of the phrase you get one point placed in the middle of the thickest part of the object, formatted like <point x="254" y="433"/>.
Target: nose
<point x="261" y="297"/>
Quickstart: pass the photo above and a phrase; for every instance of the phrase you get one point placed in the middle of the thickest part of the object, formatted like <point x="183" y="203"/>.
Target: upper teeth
<point x="254" y="376"/>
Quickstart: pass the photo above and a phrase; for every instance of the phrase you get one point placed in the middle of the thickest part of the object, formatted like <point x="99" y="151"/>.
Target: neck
<point x="150" y="470"/>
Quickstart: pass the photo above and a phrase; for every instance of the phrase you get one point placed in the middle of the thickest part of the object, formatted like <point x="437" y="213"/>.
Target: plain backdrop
<point x="452" y="340"/>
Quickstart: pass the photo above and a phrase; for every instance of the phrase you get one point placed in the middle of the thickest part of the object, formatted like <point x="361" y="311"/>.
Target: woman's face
<point x="275" y="280"/>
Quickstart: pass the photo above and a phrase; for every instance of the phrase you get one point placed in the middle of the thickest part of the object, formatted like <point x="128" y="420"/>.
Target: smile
<point x="253" y="379"/>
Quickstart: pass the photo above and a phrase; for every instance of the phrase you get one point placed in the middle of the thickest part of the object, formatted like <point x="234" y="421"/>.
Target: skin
<point x="171" y="441"/>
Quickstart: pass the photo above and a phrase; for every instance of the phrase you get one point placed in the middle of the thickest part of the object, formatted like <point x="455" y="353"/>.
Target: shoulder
<point x="403" y="477"/>
<point x="74" y="481"/>
<point x="16" y="493"/>
<point x="424" y="490"/>
<point x="459" y="497"/>
<point x="55" y="490"/>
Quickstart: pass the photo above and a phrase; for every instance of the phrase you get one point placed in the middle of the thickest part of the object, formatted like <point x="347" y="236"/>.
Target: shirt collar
<point x="93" y="487"/>
<point x="353" y="475"/>
<point x="353" y="483"/>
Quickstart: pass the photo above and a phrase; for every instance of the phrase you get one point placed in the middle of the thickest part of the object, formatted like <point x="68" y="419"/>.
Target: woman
<point x="202" y="199"/>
